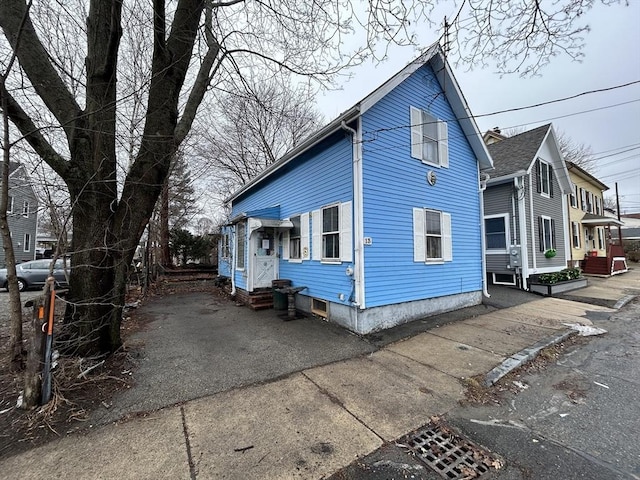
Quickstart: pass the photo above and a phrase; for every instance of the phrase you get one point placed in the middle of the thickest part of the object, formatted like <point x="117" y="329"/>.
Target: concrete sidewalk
<point x="311" y="423"/>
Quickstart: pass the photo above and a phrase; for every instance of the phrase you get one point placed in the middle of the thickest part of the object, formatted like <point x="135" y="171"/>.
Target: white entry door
<point x="265" y="260"/>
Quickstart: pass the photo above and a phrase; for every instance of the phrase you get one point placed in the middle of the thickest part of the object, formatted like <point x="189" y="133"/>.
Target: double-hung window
<point x="429" y="139"/>
<point x="27" y="243"/>
<point x="25" y="209"/>
<point x="295" y="252"/>
<point x="431" y="236"/>
<point x="573" y="197"/>
<point x="10" y="205"/>
<point x="546" y="233"/>
<point x="332" y="234"/>
<point x="575" y="234"/>
<point x="226" y="250"/>
<point x="241" y="233"/>
<point x="545" y="178"/>
<point x="496" y="228"/>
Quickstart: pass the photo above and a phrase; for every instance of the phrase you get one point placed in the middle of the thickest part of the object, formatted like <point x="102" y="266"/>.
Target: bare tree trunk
<point x="16" y="347"/>
<point x="32" y="378"/>
<point x="165" y="254"/>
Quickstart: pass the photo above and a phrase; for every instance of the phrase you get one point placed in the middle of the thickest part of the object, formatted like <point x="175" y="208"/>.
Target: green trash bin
<point x="280" y="299"/>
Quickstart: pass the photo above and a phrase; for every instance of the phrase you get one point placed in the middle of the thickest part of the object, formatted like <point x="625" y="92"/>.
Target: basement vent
<point x="449" y="454"/>
<point x="319" y="307"/>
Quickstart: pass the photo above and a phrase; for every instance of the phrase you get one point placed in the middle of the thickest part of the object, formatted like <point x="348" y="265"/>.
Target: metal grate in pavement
<point x="452" y="456"/>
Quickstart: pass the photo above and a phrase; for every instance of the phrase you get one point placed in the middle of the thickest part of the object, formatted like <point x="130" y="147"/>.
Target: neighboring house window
<point x="27" y="243"/>
<point x="25" y="209"/>
<point x="545" y="178"/>
<point x="496" y="228"/>
<point x="10" y="205"/>
<point x="546" y="233"/>
<point x="295" y="252"/>
<point x="241" y="242"/>
<point x="332" y="237"/>
<point x="583" y="200"/>
<point x="226" y="250"/>
<point x="598" y="206"/>
<point x="575" y="234"/>
<point x="573" y="197"/>
<point x="429" y="139"/>
<point x="431" y="236"/>
<point x="600" y="238"/>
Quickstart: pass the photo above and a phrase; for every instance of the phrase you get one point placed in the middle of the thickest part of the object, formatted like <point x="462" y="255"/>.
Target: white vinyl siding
<point x="432" y="242"/>
<point x="429" y="138"/>
<point x="332" y="233"/>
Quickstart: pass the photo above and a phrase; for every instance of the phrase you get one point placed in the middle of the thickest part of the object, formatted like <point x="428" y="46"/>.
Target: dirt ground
<point x="80" y="385"/>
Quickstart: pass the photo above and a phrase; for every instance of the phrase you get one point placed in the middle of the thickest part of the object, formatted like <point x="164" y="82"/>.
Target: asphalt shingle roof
<point x="517" y="152"/>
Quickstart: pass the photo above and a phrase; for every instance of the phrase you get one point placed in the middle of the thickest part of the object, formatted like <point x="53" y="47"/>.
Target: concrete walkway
<point x="313" y="422"/>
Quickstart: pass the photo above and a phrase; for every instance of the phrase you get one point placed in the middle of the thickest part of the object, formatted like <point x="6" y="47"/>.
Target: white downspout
<point x="358" y="234"/>
<point x="524" y="244"/>
<point x="233" y="263"/>
<point x="483" y="185"/>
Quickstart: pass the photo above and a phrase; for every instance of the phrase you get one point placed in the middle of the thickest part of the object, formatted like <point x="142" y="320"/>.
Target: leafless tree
<point x="578" y="153"/>
<point x="72" y="105"/>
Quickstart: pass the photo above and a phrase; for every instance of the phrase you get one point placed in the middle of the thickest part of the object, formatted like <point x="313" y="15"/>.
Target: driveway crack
<point x="185" y="430"/>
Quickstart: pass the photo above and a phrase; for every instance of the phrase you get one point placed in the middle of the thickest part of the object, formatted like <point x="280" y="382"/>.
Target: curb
<point x="523" y="356"/>
<point x="623" y="301"/>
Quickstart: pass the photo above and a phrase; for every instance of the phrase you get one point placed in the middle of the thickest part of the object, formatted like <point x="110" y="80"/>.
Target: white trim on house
<point x="358" y="224"/>
<point x="496" y="282"/>
<point x="507" y="234"/>
<point x="524" y="252"/>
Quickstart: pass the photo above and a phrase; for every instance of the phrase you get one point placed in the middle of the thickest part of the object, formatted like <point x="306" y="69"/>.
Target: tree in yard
<point x="73" y="68"/>
<point x="186" y="246"/>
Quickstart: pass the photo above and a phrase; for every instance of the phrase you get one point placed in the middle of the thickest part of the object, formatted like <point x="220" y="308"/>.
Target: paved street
<point x="280" y="416"/>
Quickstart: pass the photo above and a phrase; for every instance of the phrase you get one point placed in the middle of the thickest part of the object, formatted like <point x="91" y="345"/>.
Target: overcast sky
<point x="612" y="131"/>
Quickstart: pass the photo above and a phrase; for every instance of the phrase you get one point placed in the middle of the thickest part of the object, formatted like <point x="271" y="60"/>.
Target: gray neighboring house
<point x="22" y="213"/>
<point x="525" y="207"/>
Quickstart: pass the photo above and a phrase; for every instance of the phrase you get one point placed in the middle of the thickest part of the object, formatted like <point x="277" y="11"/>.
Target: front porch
<point x="613" y="263"/>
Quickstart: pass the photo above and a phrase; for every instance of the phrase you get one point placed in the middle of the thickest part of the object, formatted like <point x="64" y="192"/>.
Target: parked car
<point x="35" y="273"/>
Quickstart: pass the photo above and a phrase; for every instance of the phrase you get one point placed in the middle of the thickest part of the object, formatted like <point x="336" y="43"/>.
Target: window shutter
<point x="443" y="144"/>
<point x="550" y="181"/>
<point x="553" y="233"/>
<point x="416" y="133"/>
<point x="304" y="236"/>
<point x="316" y="246"/>
<point x="419" y="241"/>
<point x="285" y="245"/>
<point x="538" y="180"/>
<point x="540" y="235"/>
<point x="447" y="241"/>
<point x="346" y="241"/>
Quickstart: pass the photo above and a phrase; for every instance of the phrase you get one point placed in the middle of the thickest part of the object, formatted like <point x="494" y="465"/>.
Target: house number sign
<point x="367" y="241"/>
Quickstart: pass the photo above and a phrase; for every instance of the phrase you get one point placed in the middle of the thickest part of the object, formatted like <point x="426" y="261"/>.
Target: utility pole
<point x="618" y="210"/>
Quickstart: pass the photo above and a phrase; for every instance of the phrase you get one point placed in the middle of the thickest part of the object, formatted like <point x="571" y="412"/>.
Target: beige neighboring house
<point x="592" y="246"/>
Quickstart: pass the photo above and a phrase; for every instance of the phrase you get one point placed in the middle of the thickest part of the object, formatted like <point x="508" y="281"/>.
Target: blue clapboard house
<point x="378" y="214"/>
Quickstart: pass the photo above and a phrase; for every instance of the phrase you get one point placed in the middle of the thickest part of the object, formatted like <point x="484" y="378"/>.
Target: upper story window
<point x="10" y="205"/>
<point x="27" y="243"/>
<point x="545" y="178"/>
<point x="25" y="209"/>
<point x="573" y="197"/>
<point x="429" y="139"/>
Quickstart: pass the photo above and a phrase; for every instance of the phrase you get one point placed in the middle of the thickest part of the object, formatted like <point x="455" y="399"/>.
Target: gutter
<point x="482" y="183"/>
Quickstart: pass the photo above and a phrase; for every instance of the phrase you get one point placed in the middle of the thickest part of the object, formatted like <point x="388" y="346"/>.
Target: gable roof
<point x="516" y="153"/>
<point x="434" y="56"/>
<point x="516" y="156"/>
<point x="582" y="173"/>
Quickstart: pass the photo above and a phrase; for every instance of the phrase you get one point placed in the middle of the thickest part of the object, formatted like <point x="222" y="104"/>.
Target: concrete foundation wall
<point x="387" y="316"/>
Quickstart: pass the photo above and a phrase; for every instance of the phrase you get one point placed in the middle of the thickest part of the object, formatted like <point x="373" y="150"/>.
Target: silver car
<point x="35" y="273"/>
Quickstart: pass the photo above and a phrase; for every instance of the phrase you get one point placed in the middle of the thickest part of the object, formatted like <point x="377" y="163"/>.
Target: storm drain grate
<point x="449" y="454"/>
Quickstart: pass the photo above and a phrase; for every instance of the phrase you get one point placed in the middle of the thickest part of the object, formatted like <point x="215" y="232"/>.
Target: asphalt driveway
<point x="198" y="344"/>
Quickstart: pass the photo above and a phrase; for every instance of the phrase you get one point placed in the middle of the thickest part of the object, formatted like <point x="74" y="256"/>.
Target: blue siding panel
<point x="394" y="183"/>
<point x="322" y="176"/>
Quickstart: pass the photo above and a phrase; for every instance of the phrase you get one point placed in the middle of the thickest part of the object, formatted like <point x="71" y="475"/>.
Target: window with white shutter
<point x="429" y="138"/>
<point x="332" y="228"/>
<point x="432" y="241"/>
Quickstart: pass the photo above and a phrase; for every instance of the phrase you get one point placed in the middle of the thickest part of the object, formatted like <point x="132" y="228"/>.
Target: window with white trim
<point x="545" y="178"/>
<point x="496" y="230"/>
<point x="10" y="205"/>
<point x="600" y="238"/>
<point x="332" y="240"/>
<point x="546" y="233"/>
<point x="431" y="236"/>
<point x="583" y="200"/>
<point x="295" y="252"/>
<point x="429" y="138"/>
<point x="573" y="197"/>
<point x="575" y="234"/>
<point x="241" y="243"/>
<point x="225" y="246"/>
<point x="27" y="243"/>
<point x="25" y="209"/>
